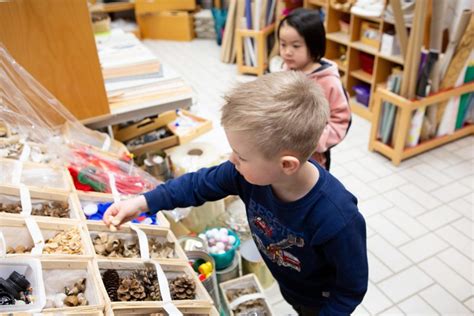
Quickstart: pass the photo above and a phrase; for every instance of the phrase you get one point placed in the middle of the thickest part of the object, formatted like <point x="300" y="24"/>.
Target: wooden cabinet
<point x="53" y="41"/>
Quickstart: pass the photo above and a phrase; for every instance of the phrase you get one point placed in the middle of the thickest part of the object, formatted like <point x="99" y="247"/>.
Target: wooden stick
<point x="400" y="27"/>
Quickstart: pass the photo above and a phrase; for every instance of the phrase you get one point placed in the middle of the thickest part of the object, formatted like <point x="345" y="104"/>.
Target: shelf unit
<point x="338" y="41"/>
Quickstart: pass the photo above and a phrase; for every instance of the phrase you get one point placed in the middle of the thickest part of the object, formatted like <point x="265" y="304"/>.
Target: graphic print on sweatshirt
<point x="272" y="238"/>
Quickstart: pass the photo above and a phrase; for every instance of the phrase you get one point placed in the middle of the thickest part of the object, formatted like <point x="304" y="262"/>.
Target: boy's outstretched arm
<point x="347" y="252"/>
<point x="191" y="189"/>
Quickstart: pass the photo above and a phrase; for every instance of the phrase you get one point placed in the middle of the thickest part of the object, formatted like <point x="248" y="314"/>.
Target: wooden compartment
<point x="11" y="195"/>
<point x="180" y="136"/>
<point x="35" y="176"/>
<point x="168" y="25"/>
<point x="149" y="6"/>
<point x="58" y="274"/>
<point x="171" y="270"/>
<point x="126" y="233"/>
<point x="96" y="197"/>
<point x="244" y="282"/>
<point x="147" y="311"/>
<point x="16" y="233"/>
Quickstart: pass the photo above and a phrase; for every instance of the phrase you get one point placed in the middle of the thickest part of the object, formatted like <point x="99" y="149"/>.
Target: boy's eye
<point x="240" y="158"/>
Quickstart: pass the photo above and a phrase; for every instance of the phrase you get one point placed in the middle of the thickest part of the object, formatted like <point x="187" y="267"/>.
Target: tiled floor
<point x="419" y="215"/>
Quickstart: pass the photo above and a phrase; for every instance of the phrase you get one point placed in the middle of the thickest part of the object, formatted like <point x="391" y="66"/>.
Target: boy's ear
<point x="289" y="164"/>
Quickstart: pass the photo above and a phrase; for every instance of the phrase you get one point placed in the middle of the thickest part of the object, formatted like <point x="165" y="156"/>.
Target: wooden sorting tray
<point x="243" y="282"/>
<point x="152" y="231"/>
<point x="171" y="269"/>
<point x="16" y="233"/>
<point x="66" y="273"/>
<point x="96" y="197"/>
<point x="12" y="193"/>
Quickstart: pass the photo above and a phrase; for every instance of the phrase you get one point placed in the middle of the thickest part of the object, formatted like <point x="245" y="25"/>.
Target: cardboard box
<point x="389" y="45"/>
<point x="150" y="6"/>
<point x="168" y="25"/>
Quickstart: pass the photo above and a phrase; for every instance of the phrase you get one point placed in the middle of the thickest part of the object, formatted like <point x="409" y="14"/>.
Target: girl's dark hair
<point x="309" y="25"/>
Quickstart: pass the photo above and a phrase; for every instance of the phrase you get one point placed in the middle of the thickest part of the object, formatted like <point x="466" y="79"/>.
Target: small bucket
<point x="211" y="282"/>
<point x="231" y="272"/>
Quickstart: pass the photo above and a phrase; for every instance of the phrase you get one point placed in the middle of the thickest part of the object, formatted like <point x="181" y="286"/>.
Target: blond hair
<point x="283" y="111"/>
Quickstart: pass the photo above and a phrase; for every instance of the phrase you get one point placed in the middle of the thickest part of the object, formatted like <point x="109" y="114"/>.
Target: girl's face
<point x="293" y="49"/>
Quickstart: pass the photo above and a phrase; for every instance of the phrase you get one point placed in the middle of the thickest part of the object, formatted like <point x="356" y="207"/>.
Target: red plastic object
<point x="367" y="62"/>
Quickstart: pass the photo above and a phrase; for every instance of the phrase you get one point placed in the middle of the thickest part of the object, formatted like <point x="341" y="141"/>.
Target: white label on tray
<point x="25" y="199"/>
<point x="36" y="235"/>
<point x="142" y="242"/>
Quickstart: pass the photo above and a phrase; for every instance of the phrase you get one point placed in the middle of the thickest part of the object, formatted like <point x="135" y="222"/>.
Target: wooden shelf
<point x="398" y="59"/>
<point x="362" y="75"/>
<point x="112" y="7"/>
<point x="319" y="3"/>
<point x="360" y="109"/>
<point x="338" y="37"/>
<point x="339" y="64"/>
<point x="368" y="18"/>
<point x="364" y="48"/>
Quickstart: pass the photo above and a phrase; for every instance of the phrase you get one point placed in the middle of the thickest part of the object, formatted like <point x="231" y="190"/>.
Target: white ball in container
<point x="231" y="240"/>
<point x="223" y="231"/>
<point x="214" y="249"/>
<point x="220" y="245"/>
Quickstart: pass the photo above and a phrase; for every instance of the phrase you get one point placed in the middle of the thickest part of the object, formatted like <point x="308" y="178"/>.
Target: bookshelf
<point x="343" y="34"/>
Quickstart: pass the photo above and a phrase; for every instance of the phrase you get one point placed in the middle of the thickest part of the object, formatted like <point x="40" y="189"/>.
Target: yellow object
<point x="205" y="268"/>
<point x="148" y="6"/>
<point x="170" y="25"/>
<point x="370" y="34"/>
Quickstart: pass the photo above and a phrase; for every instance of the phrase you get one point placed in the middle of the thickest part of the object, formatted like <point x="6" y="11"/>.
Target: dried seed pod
<point x="161" y="250"/>
<point x="183" y="288"/>
<point x="111" y="281"/>
<point x="149" y="280"/>
<point x="12" y="208"/>
<point x="71" y="300"/>
<point x="131" y="290"/>
<point x="68" y="242"/>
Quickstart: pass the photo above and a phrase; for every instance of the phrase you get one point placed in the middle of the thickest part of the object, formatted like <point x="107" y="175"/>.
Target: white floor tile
<point x="458" y="262"/>
<point x="388" y="254"/>
<point x="427" y="200"/>
<point x="417" y="306"/>
<point x="377" y="270"/>
<point x="389" y="231"/>
<point x="423" y="247"/>
<point x="405" y="284"/>
<point x="457" y="240"/>
<point x="465" y="226"/>
<point x="360" y="311"/>
<point x="460" y="170"/>
<point x="404" y="203"/>
<point x="358" y="188"/>
<point x="393" y="311"/>
<point x="450" y="192"/>
<point x="374" y="205"/>
<point x="388" y="183"/>
<point x="414" y="177"/>
<point x="443" y="302"/>
<point x="438" y="217"/>
<point x="470" y="304"/>
<point x="433" y="173"/>
<point x="462" y="206"/>
<point x="451" y="281"/>
<point x="375" y="301"/>
<point x="405" y="222"/>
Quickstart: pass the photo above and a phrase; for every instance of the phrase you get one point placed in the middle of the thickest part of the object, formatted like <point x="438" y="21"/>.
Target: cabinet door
<point x="53" y="41"/>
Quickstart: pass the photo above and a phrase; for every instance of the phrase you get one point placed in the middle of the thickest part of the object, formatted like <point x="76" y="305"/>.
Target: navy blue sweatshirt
<point x="315" y="247"/>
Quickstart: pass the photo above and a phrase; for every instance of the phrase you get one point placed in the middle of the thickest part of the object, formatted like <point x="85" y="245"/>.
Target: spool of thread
<point x="192" y="157"/>
<point x="158" y="166"/>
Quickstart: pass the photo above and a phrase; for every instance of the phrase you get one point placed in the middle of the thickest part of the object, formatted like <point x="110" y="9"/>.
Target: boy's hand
<point x="124" y="211"/>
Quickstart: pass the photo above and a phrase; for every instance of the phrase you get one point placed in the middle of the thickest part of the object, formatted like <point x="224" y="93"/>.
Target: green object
<point x="464" y="100"/>
<point x="85" y="177"/>
<point x="197" y="263"/>
<point x="224" y="260"/>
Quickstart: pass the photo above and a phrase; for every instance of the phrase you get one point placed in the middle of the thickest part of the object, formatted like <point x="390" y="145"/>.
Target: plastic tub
<point x="362" y="93"/>
<point x="224" y="260"/>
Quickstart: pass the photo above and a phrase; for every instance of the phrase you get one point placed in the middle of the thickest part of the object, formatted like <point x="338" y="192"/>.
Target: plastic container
<point x="224" y="260"/>
<point x="362" y="93"/>
<point x="367" y="62"/>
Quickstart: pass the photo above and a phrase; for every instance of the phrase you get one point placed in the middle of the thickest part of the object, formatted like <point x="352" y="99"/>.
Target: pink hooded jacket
<point x="327" y="76"/>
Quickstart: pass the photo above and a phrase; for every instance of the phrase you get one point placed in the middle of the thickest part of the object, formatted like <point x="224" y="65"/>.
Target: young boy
<point x="304" y="222"/>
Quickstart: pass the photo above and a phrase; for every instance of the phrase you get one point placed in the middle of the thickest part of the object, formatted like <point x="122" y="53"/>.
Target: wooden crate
<point x="96" y="197"/>
<point x="149" y="311"/>
<point x="152" y="231"/>
<point x="16" y="233"/>
<point x="405" y="108"/>
<point x="243" y="282"/>
<point x="168" y="25"/>
<point x="166" y="119"/>
<point x="149" y="6"/>
<point x="37" y="195"/>
<point x="260" y="40"/>
<point x="172" y="270"/>
<point x="66" y="273"/>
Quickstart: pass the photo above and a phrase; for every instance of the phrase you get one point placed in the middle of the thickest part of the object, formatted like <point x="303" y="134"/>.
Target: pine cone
<point x="149" y="280"/>
<point x="131" y="290"/>
<point x="111" y="281"/>
<point x="183" y="288"/>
